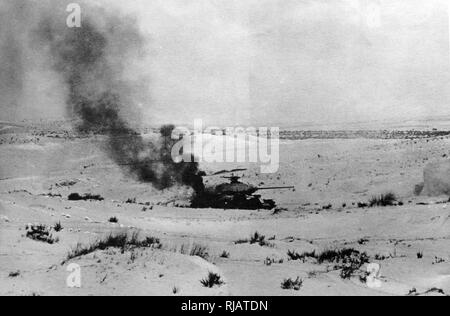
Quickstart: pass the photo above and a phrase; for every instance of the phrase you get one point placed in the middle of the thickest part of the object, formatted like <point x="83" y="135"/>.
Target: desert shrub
<point x="269" y="261"/>
<point x="279" y="210"/>
<point x="256" y="238"/>
<point x="420" y="255"/>
<point x="241" y="241"/>
<point x="225" y="255"/>
<point x="14" y="274"/>
<point x="212" y="280"/>
<point x="41" y="233"/>
<point x="387" y="199"/>
<point x="150" y="242"/>
<point x="289" y="284"/>
<point x="363" y="241"/>
<point x="381" y="257"/>
<point x="113" y="220"/>
<point x="330" y="256"/>
<point x="438" y="260"/>
<point x="349" y="261"/>
<point x="343" y="256"/>
<point x="434" y="290"/>
<point x="58" y="227"/>
<point x="67" y="183"/>
<point x="123" y="241"/>
<point x="294" y="256"/>
<point x="131" y="201"/>
<point x="313" y="274"/>
<point x="147" y="208"/>
<point x="349" y="270"/>
<point x="86" y="197"/>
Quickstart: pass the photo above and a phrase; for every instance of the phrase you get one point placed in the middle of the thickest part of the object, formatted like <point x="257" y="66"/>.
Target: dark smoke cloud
<point x="28" y="88"/>
<point x="11" y="57"/>
<point x="92" y="62"/>
<point x="91" y="59"/>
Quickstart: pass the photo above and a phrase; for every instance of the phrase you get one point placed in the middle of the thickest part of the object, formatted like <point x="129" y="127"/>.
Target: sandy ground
<point x="38" y="173"/>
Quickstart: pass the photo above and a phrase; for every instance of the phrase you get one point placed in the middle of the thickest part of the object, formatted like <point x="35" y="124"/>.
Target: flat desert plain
<point x="322" y="236"/>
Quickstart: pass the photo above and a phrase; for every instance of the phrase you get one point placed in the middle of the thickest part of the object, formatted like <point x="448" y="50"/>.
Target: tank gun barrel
<point x="276" y="188"/>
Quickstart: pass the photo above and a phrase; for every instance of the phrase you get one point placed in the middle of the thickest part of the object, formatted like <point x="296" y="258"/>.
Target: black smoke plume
<point x="12" y="66"/>
<point x="92" y="61"/>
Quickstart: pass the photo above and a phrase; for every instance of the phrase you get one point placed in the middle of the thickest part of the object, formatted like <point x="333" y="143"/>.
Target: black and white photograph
<point x="224" y="153"/>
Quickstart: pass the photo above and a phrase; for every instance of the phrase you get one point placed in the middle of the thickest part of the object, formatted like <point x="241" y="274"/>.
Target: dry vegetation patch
<point x="123" y="241"/>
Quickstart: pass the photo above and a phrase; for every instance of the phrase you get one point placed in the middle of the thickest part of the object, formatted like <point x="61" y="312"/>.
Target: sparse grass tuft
<point x="289" y="284"/>
<point x="58" y="227"/>
<point x="123" y="241"/>
<point x="133" y="257"/>
<point x="193" y="250"/>
<point x="212" y="280"/>
<point x="199" y="251"/>
<point x="256" y="238"/>
<point x="383" y="200"/>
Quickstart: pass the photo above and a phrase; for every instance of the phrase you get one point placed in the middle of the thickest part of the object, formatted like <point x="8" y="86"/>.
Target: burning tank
<point x="234" y="195"/>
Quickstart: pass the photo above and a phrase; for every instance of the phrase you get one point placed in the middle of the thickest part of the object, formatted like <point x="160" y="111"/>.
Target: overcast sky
<point x="285" y="62"/>
<point x="290" y="61"/>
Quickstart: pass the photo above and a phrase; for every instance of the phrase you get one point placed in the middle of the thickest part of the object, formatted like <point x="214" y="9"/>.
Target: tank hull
<point x="235" y="201"/>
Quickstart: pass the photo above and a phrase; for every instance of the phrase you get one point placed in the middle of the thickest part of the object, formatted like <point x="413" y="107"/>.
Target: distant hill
<point x="422" y="123"/>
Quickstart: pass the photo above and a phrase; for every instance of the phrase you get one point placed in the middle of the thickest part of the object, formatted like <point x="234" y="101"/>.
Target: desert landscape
<point x="357" y="201"/>
<point x="112" y="180"/>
